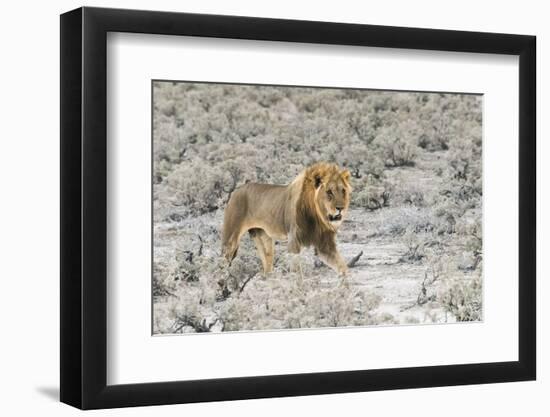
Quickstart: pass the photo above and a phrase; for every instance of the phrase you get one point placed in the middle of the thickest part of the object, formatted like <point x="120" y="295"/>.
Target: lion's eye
<point x="329" y="193"/>
<point x="343" y="191"/>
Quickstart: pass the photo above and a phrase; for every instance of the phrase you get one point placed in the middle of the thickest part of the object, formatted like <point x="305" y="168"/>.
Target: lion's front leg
<point x="294" y="248"/>
<point x="335" y="261"/>
<point x="329" y="255"/>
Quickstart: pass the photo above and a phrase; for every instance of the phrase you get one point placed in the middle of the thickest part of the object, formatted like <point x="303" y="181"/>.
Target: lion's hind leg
<point x="233" y="225"/>
<point x="230" y="247"/>
<point x="264" y="245"/>
<point x="269" y="246"/>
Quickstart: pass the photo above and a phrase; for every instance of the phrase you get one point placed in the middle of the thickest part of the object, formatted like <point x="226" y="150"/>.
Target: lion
<point x="307" y="212"/>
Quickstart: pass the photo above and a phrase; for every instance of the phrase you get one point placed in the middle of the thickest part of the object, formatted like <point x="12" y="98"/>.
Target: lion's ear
<point x="318" y="181"/>
<point x="345" y="174"/>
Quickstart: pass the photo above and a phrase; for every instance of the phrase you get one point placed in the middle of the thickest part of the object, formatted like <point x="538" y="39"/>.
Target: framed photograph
<point x="257" y="208"/>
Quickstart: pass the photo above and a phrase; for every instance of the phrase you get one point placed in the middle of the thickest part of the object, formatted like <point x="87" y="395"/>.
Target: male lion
<point x="306" y="212"/>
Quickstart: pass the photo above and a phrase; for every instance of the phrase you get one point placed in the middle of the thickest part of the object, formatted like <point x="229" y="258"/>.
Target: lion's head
<point x="327" y="191"/>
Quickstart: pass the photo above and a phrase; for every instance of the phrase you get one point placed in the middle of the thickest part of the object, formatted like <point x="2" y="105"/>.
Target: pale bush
<point x="396" y="151"/>
<point x="240" y="298"/>
<point x="371" y="197"/>
<point x="395" y="221"/>
<point x="198" y="187"/>
<point x="408" y="194"/>
<point x="415" y="246"/>
<point x="462" y="297"/>
<point x="194" y="308"/>
<point x="282" y="302"/>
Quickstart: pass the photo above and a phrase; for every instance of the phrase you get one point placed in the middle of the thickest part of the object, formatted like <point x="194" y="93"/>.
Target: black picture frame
<point x="84" y="207"/>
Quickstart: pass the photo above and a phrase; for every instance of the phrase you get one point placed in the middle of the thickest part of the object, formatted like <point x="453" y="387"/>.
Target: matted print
<point x="282" y="207"/>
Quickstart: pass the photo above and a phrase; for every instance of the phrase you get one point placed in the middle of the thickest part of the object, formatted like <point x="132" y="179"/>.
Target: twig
<point x="354" y="260"/>
<point x="423" y="296"/>
<point x="408" y="307"/>
<point x="201" y="245"/>
<point x="197" y="324"/>
<point x="244" y="283"/>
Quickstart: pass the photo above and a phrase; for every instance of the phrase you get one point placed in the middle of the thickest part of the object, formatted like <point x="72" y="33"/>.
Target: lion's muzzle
<point x="335" y="217"/>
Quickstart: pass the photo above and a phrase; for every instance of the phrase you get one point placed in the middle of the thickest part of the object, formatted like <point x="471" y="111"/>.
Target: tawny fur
<point x="307" y="212"/>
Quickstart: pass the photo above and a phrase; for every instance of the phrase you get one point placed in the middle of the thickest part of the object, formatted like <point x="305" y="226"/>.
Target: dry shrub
<point x="372" y="197"/>
<point x="283" y="302"/>
<point x="395" y="221"/>
<point x="396" y="151"/>
<point x="415" y="246"/>
<point x="462" y="297"/>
